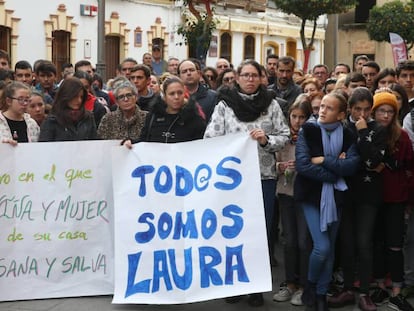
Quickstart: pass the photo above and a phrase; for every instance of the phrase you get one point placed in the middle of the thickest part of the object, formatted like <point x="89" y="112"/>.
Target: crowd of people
<point x="335" y="153"/>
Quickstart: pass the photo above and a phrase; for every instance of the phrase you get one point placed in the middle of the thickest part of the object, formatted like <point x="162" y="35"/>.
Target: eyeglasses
<point x="125" y="97"/>
<point x="386" y="112"/>
<point x="21" y="100"/>
<point x="228" y="79"/>
<point x="247" y="76"/>
<point x="223" y="66"/>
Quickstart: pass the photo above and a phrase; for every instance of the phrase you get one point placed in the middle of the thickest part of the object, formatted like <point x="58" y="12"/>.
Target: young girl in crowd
<point x="297" y="242"/>
<point x="69" y="120"/>
<point x="356" y="230"/>
<point x="397" y="171"/>
<point x="325" y="154"/>
<point x="15" y="124"/>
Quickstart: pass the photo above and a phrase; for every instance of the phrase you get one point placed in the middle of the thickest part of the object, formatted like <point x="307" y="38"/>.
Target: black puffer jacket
<point x="173" y="128"/>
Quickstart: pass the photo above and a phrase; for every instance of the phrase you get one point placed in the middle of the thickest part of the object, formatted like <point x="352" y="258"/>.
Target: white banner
<point x="56" y="211"/>
<point x="189" y="221"/>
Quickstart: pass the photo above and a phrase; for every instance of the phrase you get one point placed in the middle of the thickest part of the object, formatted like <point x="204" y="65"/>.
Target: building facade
<point x="49" y="29"/>
<point x="347" y="32"/>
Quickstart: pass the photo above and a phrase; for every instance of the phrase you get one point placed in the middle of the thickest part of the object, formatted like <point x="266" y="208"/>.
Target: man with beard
<point x="284" y="87"/>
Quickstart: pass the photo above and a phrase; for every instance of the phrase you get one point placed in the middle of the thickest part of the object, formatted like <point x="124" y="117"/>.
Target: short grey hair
<point x="124" y="84"/>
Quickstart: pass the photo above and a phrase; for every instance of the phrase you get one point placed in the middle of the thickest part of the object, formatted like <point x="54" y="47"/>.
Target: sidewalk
<point x="103" y="303"/>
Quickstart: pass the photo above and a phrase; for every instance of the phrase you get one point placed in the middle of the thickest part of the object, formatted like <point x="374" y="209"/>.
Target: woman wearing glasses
<point x="249" y="107"/>
<point x="397" y="173"/>
<point x="69" y="120"/>
<point x="15" y="124"/>
<point x="127" y="121"/>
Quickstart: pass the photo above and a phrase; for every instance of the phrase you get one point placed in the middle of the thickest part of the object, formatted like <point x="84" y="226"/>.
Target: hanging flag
<point x="399" y="50"/>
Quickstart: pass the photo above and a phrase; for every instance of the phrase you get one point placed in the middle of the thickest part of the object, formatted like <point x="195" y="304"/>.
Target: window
<point x="5" y="41"/>
<point x="249" y="47"/>
<point x="60" y="49"/>
<point x="362" y="10"/>
<point x="291" y="48"/>
<point x="225" y="46"/>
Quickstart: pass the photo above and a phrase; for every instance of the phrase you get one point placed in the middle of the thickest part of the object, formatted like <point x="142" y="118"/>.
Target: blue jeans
<point x="323" y="252"/>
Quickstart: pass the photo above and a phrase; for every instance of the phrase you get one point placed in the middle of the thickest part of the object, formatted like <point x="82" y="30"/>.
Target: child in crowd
<point x="325" y="154"/>
<point x="297" y="244"/>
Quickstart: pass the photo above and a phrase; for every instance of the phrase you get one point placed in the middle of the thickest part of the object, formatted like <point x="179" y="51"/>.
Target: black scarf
<point x="246" y="109"/>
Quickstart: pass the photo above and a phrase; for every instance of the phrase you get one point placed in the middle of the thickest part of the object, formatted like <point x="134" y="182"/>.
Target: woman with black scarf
<point x="249" y="107"/>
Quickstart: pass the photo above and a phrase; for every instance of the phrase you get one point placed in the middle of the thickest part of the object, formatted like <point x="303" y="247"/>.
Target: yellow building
<point x="347" y="34"/>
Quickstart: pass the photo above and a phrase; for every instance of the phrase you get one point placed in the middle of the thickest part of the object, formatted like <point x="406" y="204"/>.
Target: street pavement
<point x="103" y="303"/>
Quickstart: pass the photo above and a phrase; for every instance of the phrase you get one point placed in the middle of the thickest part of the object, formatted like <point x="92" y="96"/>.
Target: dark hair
<point x="271" y="56"/>
<point x="345" y="65"/>
<point x="321" y="66"/>
<point x="170" y="80"/>
<point x="302" y="102"/>
<point x="45" y="66"/>
<point x="6" y="74"/>
<point x="328" y="82"/>
<point x="143" y="68"/>
<point x="372" y="64"/>
<point x="67" y="65"/>
<point x="404" y="65"/>
<point x="68" y="90"/>
<point x="129" y="60"/>
<point x="220" y="77"/>
<point x="82" y="63"/>
<point x="360" y="94"/>
<point x="23" y="64"/>
<point x="405" y="106"/>
<point x="354" y="77"/>
<point x="186" y="60"/>
<point x="83" y="75"/>
<point x="286" y="60"/>
<point x="97" y="77"/>
<point x="251" y="62"/>
<point x="213" y="70"/>
<point x="382" y="74"/>
<point x="4" y="54"/>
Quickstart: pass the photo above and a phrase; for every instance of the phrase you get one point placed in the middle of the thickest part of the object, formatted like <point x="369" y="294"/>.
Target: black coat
<point x="52" y="130"/>
<point x="162" y="127"/>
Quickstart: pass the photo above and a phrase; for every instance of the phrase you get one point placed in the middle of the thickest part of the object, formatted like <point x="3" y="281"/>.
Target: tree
<point x="393" y="16"/>
<point x="310" y="10"/>
<point x="197" y="29"/>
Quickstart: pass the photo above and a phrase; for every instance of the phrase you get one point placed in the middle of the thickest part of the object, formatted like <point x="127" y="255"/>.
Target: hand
<point x="379" y="168"/>
<point x="127" y="143"/>
<point x="291" y="165"/>
<point x="10" y="141"/>
<point x="317" y="160"/>
<point x="342" y="156"/>
<point x="361" y="124"/>
<point x="259" y="135"/>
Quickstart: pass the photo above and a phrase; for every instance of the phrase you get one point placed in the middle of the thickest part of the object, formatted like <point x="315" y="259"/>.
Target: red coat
<point x="397" y="181"/>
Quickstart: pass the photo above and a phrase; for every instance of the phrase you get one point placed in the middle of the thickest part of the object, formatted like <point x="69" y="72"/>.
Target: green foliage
<point x="312" y="9"/>
<point x="395" y="17"/>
